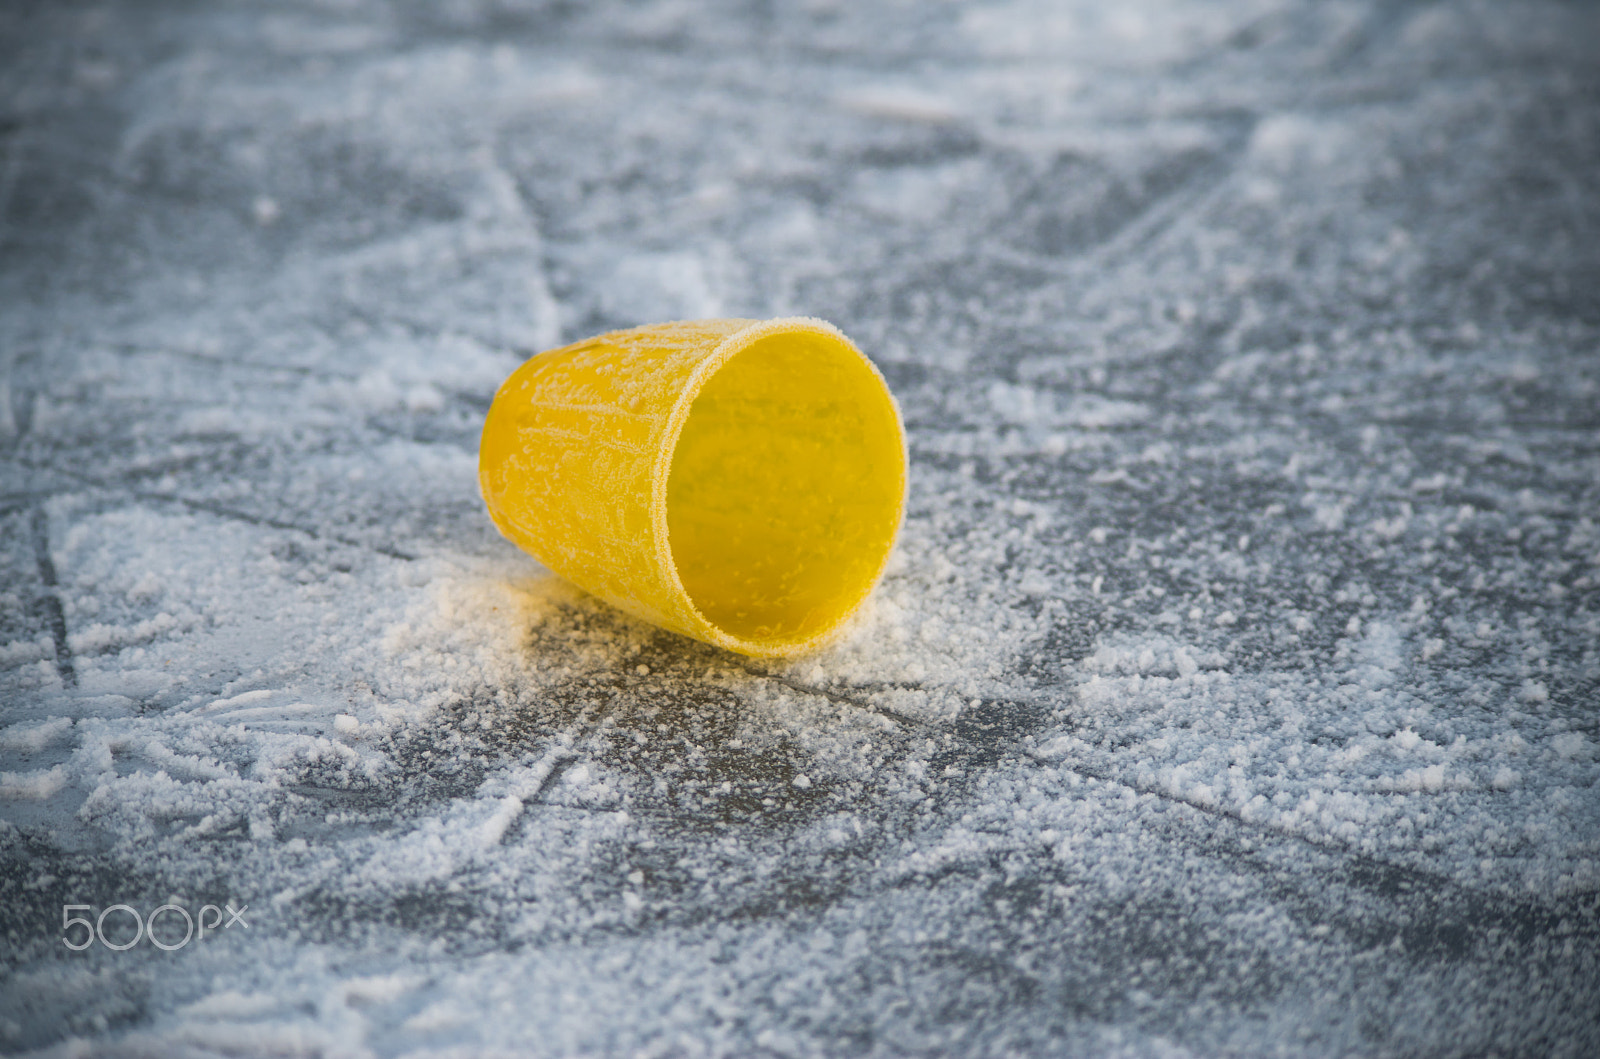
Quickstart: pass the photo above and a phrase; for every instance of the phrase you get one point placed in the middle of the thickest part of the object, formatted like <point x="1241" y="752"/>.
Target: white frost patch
<point x="36" y="785"/>
<point x="18" y="652"/>
<point x="35" y="737"/>
<point x="98" y="637"/>
<point x="231" y="1004"/>
<point x="523" y="785"/>
<point x="233" y="702"/>
<point x="1571" y="746"/>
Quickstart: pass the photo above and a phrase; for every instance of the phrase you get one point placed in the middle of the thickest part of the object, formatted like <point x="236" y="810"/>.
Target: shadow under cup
<point x="741" y="482"/>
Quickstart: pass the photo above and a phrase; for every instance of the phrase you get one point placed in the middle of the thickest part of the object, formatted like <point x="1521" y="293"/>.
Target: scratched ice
<point x="1235" y="687"/>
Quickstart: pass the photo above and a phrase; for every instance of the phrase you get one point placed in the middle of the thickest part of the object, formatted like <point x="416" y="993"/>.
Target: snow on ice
<point x="1233" y="689"/>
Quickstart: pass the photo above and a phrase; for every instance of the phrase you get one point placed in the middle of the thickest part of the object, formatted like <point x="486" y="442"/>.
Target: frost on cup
<point x="737" y="481"/>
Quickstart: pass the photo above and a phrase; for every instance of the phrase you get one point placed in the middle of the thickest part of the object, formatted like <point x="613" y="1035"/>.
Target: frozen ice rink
<point x="1234" y="691"/>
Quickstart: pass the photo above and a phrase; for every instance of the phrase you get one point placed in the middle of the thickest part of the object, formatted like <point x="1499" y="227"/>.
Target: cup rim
<point x="725" y="351"/>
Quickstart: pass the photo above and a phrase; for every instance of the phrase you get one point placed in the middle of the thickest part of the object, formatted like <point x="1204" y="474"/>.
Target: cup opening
<point x="786" y="488"/>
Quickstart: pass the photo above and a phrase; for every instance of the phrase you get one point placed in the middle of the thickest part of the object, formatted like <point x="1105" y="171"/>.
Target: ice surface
<point x="1233" y="691"/>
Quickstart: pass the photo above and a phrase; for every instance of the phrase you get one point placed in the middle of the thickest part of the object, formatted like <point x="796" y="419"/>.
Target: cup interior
<point x="786" y="488"/>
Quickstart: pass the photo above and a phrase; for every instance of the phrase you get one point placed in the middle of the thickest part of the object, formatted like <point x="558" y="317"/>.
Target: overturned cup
<point x="737" y="481"/>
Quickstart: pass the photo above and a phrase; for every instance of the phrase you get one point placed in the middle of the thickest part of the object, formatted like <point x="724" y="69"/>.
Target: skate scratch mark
<point x="55" y="616"/>
<point x="836" y="697"/>
<point x="557" y="769"/>
<point x="220" y="510"/>
<point x="1099" y="774"/>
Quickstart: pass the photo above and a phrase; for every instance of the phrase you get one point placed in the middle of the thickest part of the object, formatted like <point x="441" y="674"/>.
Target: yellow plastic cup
<point x="738" y="481"/>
